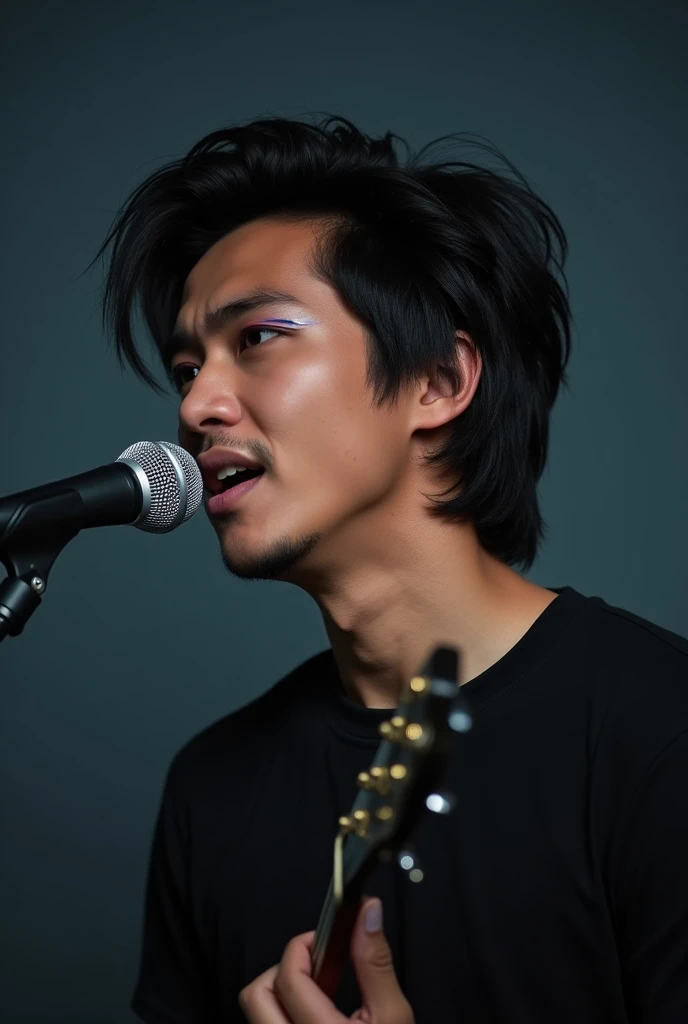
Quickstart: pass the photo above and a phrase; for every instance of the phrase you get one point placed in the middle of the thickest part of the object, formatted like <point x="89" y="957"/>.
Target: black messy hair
<point x="417" y="250"/>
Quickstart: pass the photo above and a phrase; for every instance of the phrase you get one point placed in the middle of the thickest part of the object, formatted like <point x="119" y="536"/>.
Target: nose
<point x="210" y="403"/>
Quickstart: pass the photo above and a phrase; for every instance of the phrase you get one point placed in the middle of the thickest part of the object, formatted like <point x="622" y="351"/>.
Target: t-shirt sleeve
<point x="175" y="981"/>
<point x="651" y="899"/>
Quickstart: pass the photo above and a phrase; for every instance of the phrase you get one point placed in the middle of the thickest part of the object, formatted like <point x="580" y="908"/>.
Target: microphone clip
<point x="29" y="544"/>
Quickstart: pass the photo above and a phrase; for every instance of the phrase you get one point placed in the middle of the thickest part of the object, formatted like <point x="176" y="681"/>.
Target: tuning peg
<point x="414" y="735"/>
<point x="378" y="778"/>
<point x="460" y="720"/>
<point x="419" y="684"/>
<point x="407" y="735"/>
<point x="441" y="803"/>
<point x="408" y="860"/>
<point x="384" y="813"/>
<point x="357" y="822"/>
<point x="393" y="729"/>
<point x="381" y="780"/>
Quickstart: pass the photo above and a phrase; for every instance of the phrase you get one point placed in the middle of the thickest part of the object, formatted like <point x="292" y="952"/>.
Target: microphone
<point x="153" y="485"/>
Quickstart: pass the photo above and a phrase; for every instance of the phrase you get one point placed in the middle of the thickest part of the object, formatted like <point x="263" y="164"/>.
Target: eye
<point x="181" y="375"/>
<point x="256" y="330"/>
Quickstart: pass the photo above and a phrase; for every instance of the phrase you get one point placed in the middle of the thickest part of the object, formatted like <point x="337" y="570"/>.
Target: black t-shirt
<point x="555" y="892"/>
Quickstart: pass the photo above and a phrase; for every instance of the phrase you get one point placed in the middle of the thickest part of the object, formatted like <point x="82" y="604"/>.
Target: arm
<point x="650" y="895"/>
<point x="175" y="983"/>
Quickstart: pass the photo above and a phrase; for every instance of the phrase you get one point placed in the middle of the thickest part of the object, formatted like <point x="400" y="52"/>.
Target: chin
<point x="274" y="562"/>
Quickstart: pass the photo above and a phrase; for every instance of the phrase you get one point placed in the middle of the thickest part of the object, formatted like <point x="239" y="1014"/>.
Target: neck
<point x="384" y="614"/>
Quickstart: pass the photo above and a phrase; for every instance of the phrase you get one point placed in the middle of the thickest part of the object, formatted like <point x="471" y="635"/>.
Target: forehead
<point x="257" y="252"/>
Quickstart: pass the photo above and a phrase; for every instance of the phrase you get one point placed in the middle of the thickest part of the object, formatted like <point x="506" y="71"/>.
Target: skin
<point x="286" y="993"/>
<point x="339" y="512"/>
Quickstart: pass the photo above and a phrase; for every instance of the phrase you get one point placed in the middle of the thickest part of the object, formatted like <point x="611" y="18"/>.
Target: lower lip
<point x="227" y="500"/>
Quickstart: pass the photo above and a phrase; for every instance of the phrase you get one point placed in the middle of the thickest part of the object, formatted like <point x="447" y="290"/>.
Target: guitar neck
<point x="393" y="795"/>
<point x="333" y="938"/>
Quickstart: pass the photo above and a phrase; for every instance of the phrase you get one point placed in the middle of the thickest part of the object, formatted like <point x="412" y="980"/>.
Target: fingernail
<point x="372" y="920"/>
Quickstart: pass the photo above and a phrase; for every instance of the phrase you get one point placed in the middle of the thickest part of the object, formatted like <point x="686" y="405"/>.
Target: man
<point x="366" y="356"/>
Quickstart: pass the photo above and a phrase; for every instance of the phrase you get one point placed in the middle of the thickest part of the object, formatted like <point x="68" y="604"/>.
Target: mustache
<point x="252" y="449"/>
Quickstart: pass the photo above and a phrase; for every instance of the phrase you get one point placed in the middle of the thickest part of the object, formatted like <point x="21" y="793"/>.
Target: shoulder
<point x="227" y="745"/>
<point x="637" y="635"/>
<point x="638" y="672"/>
<point x="636" y="658"/>
<point x="636" y="695"/>
<point x="222" y="774"/>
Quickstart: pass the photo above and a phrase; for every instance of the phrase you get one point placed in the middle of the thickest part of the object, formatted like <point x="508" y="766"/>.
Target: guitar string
<point x="324" y="924"/>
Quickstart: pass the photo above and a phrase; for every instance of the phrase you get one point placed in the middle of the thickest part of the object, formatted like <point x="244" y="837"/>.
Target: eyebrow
<point x="215" y="319"/>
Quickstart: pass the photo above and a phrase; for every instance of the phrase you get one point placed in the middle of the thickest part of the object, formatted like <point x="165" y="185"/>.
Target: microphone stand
<point x="29" y="544"/>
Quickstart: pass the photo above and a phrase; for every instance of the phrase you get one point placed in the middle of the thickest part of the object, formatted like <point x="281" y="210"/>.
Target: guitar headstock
<point x="396" y="789"/>
<point x="404" y="777"/>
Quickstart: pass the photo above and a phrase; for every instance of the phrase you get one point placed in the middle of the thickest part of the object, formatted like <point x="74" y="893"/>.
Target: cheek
<point x="322" y="423"/>
<point x="304" y="400"/>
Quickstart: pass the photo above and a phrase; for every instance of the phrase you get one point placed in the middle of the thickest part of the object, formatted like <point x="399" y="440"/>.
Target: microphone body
<point x="110" y="495"/>
<point x="154" y="485"/>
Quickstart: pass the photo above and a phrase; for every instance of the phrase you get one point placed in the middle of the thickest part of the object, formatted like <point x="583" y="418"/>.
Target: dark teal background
<point x="141" y="641"/>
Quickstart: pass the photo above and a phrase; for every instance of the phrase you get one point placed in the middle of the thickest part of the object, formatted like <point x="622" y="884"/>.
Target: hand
<point x="287" y="994"/>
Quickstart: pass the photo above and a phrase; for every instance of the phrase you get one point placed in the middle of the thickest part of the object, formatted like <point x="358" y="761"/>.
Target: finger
<point x="301" y="998"/>
<point x="372" y="959"/>
<point x="258" y="1001"/>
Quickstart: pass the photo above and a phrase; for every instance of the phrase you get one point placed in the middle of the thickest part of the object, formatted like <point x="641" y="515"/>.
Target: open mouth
<point x="240" y="476"/>
<point x="231" y="478"/>
<point x="227" y="493"/>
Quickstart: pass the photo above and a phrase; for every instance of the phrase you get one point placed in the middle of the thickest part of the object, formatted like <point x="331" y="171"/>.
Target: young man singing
<point x="366" y="353"/>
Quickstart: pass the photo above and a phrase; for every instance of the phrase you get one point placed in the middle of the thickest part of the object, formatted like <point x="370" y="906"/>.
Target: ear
<point x="438" y="403"/>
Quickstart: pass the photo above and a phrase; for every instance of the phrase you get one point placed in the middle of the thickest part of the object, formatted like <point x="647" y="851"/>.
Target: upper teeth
<point x="230" y="471"/>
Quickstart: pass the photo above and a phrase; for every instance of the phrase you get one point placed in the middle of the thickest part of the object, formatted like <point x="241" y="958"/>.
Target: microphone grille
<point x="174" y="480"/>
